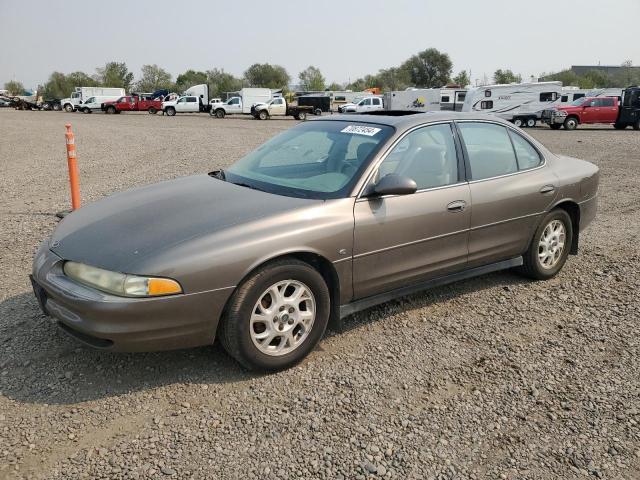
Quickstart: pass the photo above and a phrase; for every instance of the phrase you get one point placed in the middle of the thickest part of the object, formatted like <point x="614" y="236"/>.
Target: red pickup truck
<point x="132" y="103"/>
<point x="583" y="110"/>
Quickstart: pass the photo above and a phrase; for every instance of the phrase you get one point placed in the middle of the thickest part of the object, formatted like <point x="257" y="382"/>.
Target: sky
<point x="346" y="39"/>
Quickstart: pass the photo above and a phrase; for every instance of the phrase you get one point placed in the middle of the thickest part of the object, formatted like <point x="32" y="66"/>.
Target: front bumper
<point x="552" y="117"/>
<point x="125" y="324"/>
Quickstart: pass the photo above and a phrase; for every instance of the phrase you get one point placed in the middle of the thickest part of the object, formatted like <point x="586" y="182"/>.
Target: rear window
<point x="527" y="156"/>
<point x="489" y="150"/>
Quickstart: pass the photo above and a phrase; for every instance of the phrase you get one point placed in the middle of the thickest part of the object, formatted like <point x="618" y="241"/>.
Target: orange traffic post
<point x="72" y="161"/>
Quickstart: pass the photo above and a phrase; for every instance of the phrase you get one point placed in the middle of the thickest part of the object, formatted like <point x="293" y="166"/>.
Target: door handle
<point x="547" y="189"/>
<point x="457" y="206"/>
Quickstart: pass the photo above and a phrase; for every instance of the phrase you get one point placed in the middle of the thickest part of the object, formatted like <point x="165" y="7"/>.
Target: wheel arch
<point x="573" y="209"/>
<point x="314" y="260"/>
<point x="573" y="115"/>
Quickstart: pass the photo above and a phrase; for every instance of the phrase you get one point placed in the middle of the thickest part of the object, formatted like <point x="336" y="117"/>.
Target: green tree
<point x="266" y="75"/>
<point x="115" y="74"/>
<point x="189" y="79"/>
<point x="60" y="85"/>
<point x="429" y="68"/>
<point x="506" y="76"/>
<point x="462" y="79"/>
<point x="153" y="78"/>
<point x="393" y="78"/>
<point x="596" y="79"/>
<point x="335" y="87"/>
<point x="311" y="79"/>
<point x="220" y="82"/>
<point x="567" y="77"/>
<point x="14" y="87"/>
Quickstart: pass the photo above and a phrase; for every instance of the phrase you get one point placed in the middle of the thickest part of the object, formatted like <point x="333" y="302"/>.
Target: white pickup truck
<point x="367" y="104"/>
<point x="279" y="107"/>
<point x="241" y="103"/>
<point x="184" y="104"/>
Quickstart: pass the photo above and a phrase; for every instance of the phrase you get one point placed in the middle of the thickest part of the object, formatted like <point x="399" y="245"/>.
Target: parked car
<point x="278" y="107"/>
<point x="590" y="110"/>
<point x="195" y="99"/>
<point x="332" y="216"/>
<point x="82" y="94"/>
<point x="132" y="103"/>
<point x="241" y="103"/>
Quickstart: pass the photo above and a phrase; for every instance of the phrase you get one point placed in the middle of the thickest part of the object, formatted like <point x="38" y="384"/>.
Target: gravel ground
<point x="496" y="377"/>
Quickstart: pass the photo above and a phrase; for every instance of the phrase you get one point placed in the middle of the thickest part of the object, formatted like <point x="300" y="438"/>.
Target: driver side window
<point x="427" y="155"/>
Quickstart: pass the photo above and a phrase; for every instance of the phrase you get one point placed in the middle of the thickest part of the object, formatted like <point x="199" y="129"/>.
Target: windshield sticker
<point x="361" y="130"/>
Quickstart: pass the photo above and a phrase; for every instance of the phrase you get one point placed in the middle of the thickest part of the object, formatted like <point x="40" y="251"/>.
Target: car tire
<point x="243" y="334"/>
<point x="68" y="108"/>
<point x="555" y="126"/>
<point x="302" y="116"/>
<point x="152" y="111"/>
<point x="170" y="111"/>
<point x="220" y="113"/>
<point x="317" y="112"/>
<point x="518" y="122"/>
<point x="110" y="110"/>
<point x="619" y="126"/>
<point x="636" y="126"/>
<point x="531" y="122"/>
<point x="263" y="115"/>
<point x="571" y="123"/>
<point x="550" y="246"/>
<point x="86" y="110"/>
<point x="57" y="107"/>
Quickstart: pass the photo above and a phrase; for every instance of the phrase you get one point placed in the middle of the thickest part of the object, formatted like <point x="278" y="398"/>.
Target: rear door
<point x="402" y="239"/>
<point x="510" y="186"/>
<point x="193" y="105"/>
<point x="608" y="110"/>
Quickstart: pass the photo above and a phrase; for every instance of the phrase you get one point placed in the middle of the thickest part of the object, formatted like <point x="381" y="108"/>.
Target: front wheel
<point x="277" y="316"/>
<point x="571" y="123"/>
<point x="68" y="108"/>
<point x="263" y="115"/>
<point x="549" y="247"/>
<point x="86" y="110"/>
<point x="170" y="111"/>
<point x="302" y="116"/>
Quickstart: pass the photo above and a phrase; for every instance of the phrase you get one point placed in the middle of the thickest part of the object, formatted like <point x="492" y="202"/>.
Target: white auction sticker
<point x="361" y="130"/>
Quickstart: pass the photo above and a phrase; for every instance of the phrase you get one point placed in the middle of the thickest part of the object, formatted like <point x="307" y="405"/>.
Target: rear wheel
<point x="549" y="247"/>
<point x="170" y="111"/>
<point x="57" y="107"/>
<point x="636" y="126"/>
<point x="531" y="122"/>
<point x="152" y="110"/>
<point x="302" y="116"/>
<point x="571" y="123"/>
<point x="555" y="126"/>
<point x="517" y="122"/>
<point x="277" y="316"/>
<point x="317" y="111"/>
<point x="110" y="110"/>
<point x="619" y="126"/>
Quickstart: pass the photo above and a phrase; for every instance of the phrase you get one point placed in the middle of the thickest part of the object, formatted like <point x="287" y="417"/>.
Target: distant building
<point x="611" y="70"/>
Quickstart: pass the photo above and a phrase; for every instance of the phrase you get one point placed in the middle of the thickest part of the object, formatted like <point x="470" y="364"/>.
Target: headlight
<point x="121" y="284"/>
<point x="560" y="112"/>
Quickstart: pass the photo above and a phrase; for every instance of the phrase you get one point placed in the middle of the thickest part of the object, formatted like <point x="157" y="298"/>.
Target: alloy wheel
<point x="282" y="317"/>
<point x="551" y="244"/>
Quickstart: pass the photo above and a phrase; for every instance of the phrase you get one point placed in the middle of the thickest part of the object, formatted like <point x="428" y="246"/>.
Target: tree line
<point x="429" y="68"/>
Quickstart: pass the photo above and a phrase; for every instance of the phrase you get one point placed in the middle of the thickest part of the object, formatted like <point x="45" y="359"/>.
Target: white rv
<point x="520" y="103"/>
<point x="421" y="99"/>
<point x="570" y="93"/>
<point x="452" y="99"/>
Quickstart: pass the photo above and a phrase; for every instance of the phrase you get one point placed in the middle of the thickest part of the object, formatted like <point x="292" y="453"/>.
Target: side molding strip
<point x="364" y="303"/>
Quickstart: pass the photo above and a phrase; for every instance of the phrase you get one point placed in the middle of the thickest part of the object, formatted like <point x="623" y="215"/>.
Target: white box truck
<point x="241" y="103"/>
<point x="81" y="94"/>
<point x="420" y="99"/>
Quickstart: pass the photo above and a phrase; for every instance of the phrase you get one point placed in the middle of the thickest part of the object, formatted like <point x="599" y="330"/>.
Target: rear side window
<point x="548" y="96"/>
<point x="191" y="99"/>
<point x="528" y="157"/>
<point x="607" y="102"/>
<point x="486" y="104"/>
<point x="489" y="150"/>
<point x="445" y="99"/>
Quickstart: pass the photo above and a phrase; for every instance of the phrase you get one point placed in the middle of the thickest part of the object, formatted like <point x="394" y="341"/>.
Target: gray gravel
<point x="496" y="377"/>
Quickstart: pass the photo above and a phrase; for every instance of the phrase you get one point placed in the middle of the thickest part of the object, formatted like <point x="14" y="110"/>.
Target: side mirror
<point x="393" y="184"/>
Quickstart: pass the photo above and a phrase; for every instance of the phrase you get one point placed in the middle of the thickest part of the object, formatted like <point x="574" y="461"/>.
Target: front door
<point x="511" y="189"/>
<point x="277" y="107"/>
<point x="402" y="239"/>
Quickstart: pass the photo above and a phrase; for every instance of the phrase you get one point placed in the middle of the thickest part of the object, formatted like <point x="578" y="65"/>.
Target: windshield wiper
<point x="219" y="174"/>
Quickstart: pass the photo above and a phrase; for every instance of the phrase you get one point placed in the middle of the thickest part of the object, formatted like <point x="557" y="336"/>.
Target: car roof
<point x="410" y="119"/>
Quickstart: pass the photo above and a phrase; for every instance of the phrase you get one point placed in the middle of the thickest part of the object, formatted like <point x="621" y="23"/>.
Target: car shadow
<point x="41" y="364"/>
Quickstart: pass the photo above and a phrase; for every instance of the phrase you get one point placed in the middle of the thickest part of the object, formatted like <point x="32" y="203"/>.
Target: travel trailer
<point x="452" y="99"/>
<point x="421" y="99"/>
<point x="520" y="103"/>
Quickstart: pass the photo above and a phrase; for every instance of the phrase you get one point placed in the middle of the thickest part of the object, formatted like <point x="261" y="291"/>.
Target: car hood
<point x="123" y="229"/>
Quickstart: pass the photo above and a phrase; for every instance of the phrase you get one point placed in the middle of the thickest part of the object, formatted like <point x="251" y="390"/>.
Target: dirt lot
<point x="496" y="377"/>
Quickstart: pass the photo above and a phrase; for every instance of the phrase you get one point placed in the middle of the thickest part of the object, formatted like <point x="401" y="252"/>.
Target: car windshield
<point x="318" y="159"/>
